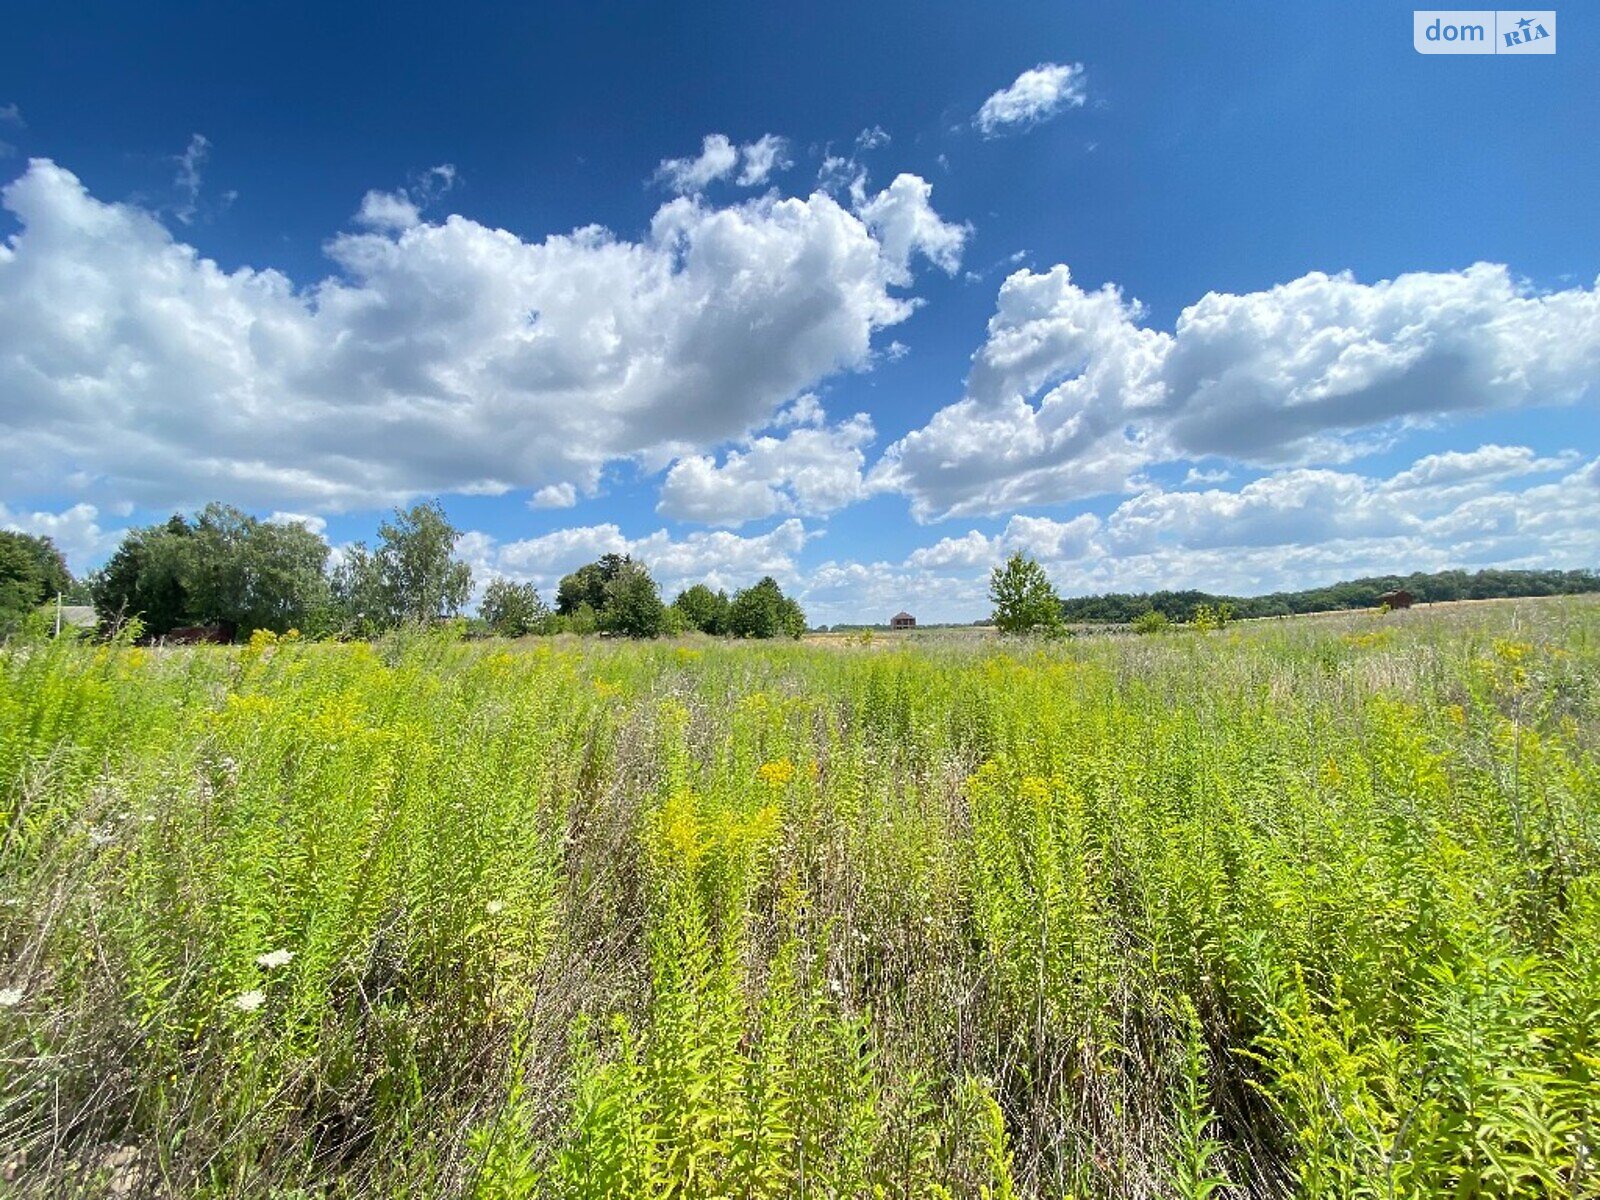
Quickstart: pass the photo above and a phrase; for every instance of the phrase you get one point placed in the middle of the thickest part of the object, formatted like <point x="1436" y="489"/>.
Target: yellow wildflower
<point x="776" y="773"/>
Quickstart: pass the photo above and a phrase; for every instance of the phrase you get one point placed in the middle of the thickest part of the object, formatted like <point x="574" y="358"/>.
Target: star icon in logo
<point x="1523" y="24"/>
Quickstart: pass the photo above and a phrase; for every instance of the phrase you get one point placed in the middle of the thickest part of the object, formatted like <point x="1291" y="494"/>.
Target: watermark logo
<point x="1484" y="31"/>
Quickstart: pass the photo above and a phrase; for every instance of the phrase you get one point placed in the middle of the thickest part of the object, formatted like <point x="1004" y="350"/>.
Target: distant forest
<point x="1121" y="607"/>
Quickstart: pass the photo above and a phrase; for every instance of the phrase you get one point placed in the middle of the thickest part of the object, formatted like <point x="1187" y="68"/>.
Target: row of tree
<point x="1123" y="607"/>
<point x="226" y="568"/>
<point x="32" y="571"/>
<point x="223" y="567"/>
<point x="1025" y="601"/>
<point x="616" y="594"/>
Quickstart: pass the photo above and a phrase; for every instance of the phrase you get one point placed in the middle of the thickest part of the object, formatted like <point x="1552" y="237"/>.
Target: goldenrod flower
<point x="776" y="773"/>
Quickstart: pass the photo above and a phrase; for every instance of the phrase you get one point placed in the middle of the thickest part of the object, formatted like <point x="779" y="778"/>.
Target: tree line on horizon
<point x="1026" y="601"/>
<point x="616" y="594"/>
<point x="222" y="567"/>
<point x="1425" y="588"/>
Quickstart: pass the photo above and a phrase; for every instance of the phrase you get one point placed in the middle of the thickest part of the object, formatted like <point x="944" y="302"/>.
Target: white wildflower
<point x="275" y="958"/>
<point x="10" y="997"/>
<point x="250" y="1001"/>
<point x="494" y="908"/>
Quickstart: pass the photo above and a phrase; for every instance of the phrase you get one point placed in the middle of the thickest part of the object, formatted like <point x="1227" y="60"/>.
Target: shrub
<point x="1151" y="621"/>
<point x="512" y="609"/>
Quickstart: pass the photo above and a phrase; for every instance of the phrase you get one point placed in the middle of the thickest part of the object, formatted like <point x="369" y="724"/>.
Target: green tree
<point x="252" y="574"/>
<point x="144" y="578"/>
<point x="703" y="609"/>
<point x="1208" y="617"/>
<point x="633" y="603"/>
<point x="411" y="578"/>
<point x="587" y="585"/>
<point x="223" y="566"/>
<point x="581" y="620"/>
<point x="1025" y="600"/>
<point x="512" y="609"/>
<point x="416" y="556"/>
<point x="763" y="611"/>
<point x="31" y="572"/>
<point x="359" y="593"/>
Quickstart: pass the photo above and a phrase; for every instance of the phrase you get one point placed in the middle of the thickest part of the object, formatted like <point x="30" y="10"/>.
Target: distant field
<point x="975" y="633"/>
<point x="1300" y="907"/>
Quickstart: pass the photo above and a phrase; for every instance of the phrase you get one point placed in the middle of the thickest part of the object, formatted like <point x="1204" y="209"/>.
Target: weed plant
<point x="1290" y="909"/>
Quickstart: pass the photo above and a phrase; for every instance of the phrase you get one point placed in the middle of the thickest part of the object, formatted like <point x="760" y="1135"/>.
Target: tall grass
<point x="1301" y="909"/>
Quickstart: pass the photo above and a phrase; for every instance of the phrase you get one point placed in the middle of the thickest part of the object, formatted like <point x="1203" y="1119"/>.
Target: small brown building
<point x="1397" y="599"/>
<point x="902" y="620"/>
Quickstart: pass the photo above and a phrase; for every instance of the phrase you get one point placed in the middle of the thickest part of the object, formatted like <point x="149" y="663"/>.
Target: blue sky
<point x="1166" y="295"/>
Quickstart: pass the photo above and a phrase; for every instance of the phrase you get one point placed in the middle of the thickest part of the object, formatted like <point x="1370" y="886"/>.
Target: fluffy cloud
<point x="75" y="531"/>
<point x="716" y="160"/>
<point x="443" y="357"/>
<point x="315" y="524"/>
<point x="1071" y="396"/>
<point x="993" y="450"/>
<point x="402" y="208"/>
<point x="719" y="158"/>
<point x="388" y="211"/>
<point x="761" y="158"/>
<point x="809" y="470"/>
<point x="1475" y="469"/>
<point x="1038" y="537"/>
<point x="719" y="558"/>
<point x="555" y="495"/>
<point x="1035" y="96"/>
<point x="901" y="217"/>
<point x="1494" y="506"/>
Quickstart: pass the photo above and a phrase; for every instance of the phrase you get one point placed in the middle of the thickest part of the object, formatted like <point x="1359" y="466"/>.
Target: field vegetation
<point x="1297" y="909"/>
<point x="1438" y="587"/>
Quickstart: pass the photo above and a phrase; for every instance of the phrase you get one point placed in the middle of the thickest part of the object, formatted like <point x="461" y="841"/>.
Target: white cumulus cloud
<point x="388" y="211"/>
<point x="1035" y="96"/>
<point x="555" y="495"/>
<point x="1071" y="395"/>
<point x="761" y="158"/>
<point x="441" y="357"/>
<point x="402" y="208"/>
<point x="76" y="532"/>
<point x="904" y="222"/>
<point x="719" y="159"/>
<point x="811" y="470"/>
<point x="1291" y="529"/>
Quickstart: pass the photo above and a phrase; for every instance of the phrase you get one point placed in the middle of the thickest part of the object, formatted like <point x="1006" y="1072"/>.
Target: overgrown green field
<point x="1304" y="909"/>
